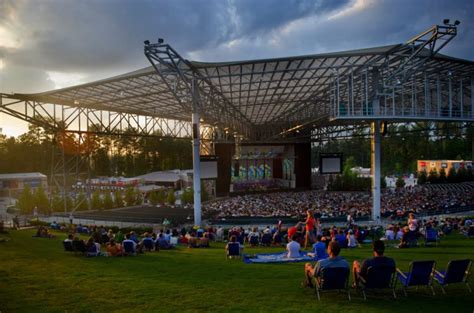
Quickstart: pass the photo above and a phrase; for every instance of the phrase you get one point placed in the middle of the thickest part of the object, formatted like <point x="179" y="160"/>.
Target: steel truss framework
<point x="281" y="99"/>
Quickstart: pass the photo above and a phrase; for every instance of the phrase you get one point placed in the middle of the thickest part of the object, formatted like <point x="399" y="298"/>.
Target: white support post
<point x="196" y="158"/>
<point x="375" y="170"/>
<point x="450" y="97"/>
<point x="472" y="99"/>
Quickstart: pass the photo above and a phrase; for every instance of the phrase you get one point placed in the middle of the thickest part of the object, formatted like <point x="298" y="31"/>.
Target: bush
<point x="433" y="176"/>
<point x="400" y="183"/>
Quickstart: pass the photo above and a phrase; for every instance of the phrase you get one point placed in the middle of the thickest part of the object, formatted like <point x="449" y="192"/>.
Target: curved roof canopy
<point x="267" y="94"/>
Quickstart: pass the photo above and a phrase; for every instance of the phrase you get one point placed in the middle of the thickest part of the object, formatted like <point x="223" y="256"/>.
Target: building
<point x="429" y="165"/>
<point x="12" y="185"/>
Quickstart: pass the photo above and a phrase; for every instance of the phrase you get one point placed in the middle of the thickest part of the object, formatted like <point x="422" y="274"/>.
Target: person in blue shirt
<point x="334" y="260"/>
<point x="319" y="249"/>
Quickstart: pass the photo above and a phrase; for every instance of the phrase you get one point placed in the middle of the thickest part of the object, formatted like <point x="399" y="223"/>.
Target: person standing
<point x="310" y="223"/>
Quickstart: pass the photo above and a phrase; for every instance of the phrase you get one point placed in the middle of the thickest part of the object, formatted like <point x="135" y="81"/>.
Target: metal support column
<point x="196" y="157"/>
<point x="375" y="170"/>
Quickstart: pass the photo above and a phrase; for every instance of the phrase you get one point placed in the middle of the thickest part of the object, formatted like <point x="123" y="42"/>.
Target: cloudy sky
<point x="48" y="44"/>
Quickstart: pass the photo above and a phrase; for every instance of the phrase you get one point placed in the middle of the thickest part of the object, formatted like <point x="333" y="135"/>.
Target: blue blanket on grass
<point x="275" y="258"/>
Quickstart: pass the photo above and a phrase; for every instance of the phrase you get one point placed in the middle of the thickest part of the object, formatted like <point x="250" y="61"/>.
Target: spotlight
<point x="146" y="42"/>
<point x="446" y="21"/>
<point x="161" y="40"/>
<point x="456" y="23"/>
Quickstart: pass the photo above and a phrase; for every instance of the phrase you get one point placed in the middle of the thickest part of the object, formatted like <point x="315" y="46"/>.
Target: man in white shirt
<point x="293" y="248"/>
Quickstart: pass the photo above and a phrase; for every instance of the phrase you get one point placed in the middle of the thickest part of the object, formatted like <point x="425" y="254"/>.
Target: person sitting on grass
<point x="351" y="241"/>
<point x="91" y="247"/>
<point x="69" y="238"/>
<point x="128" y="240"/>
<point x="114" y="249"/>
<point x="341" y="239"/>
<point x="192" y="240"/>
<point x="319" y="249"/>
<point x="334" y="260"/>
<point x="162" y="243"/>
<point x="378" y="260"/>
<point x="204" y="241"/>
<point x="147" y="242"/>
<point x="233" y="241"/>
<point x="293" y="248"/>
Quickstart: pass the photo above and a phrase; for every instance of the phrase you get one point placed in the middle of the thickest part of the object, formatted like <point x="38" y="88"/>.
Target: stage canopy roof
<point x="273" y="96"/>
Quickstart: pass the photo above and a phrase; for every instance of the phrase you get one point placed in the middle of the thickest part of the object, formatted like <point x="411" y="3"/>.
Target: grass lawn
<point x="36" y="275"/>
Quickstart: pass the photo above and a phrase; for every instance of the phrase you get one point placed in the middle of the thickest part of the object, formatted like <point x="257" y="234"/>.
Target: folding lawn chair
<point x="420" y="274"/>
<point x="378" y="277"/>
<point x="456" y="272"/>
<point x="233" y="250"/>
<point x="68" y="246"/>
<point x="332" y="278"/>
<point x="128" y="248"/>
<point x="431" y="237"/>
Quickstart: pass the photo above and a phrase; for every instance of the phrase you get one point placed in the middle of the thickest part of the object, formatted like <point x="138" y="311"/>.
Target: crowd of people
<point x="395" y="203"/>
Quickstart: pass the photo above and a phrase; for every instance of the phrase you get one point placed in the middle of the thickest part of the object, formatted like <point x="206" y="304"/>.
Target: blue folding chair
<point x="92" y="251"/>
<point x="128" y="248"/>
<point x="420" y="273"/>
<point x="233" y="250"/>
<point x="332" y="278"/>
<point x="470" y="232"/>
<point x="68" y="246"/>
<point x="148" y="244"/>
<point x="431" y="237"/>
<point x="254" y="241"/>
<point x="457" y="271"/>
<point x="267" y="239"/>
<point x="378" y="277"/>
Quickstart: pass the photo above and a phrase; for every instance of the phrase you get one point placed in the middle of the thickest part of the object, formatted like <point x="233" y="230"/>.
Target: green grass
<point x="36" y="275"/>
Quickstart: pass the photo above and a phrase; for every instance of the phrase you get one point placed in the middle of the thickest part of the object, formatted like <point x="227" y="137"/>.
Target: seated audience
<point x="350" y="239"/>
<point x="334" y="260"/>
<point x="204" y="241"/>
<point x="114" y="249"/>
<point x="319" y="249"/>
<point x="378" y="260"/>
<point x="293" y="248"/>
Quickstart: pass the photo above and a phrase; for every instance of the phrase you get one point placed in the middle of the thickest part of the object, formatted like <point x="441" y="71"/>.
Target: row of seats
<point x="421" y="273"/>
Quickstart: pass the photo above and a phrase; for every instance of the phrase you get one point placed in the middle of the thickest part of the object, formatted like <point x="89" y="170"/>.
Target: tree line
<point x="406" y="143"/>
<point x="126" y="155"/>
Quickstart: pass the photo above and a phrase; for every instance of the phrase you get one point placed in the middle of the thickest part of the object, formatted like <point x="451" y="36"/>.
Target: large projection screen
<point x="330" y="163"/>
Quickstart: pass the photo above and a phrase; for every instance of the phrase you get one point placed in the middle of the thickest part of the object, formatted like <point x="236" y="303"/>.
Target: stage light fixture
<point x="146" y="42"/>
<point x="161" y="40"/>
<point x="446" y="21"/>
<point x="457" y="22"/>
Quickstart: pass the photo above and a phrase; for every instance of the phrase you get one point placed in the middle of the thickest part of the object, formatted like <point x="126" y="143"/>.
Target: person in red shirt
<point x="310" y="223"/>
<point x="293" y="230"/>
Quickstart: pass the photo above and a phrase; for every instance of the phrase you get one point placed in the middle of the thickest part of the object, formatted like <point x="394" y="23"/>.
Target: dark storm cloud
<point x="101" y="38"/>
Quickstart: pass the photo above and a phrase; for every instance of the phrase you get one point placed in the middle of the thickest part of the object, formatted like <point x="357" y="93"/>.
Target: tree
<point x="57" y="203"/>
<point x="96" y="201"/>
<point x="422" y="177"/>
<point x="81" y="203"/>
<point x="26" y="201"/>
<point x="41" y="200"/>
<point x="433" y="176"/>
<point x="130" y="196"/>
<point x="452" y="175"/>
<point x="153" y="197"/>
<point x="187" y="196"/>
<point x="161" y="196"/>
<point x="442" y="176"/>
<point x="171" y="198"/>
<point x="108" y="202"/>
<point x="400" y="183"/>
<point x="118" y="199"/>
<point x="461" y="175"/>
